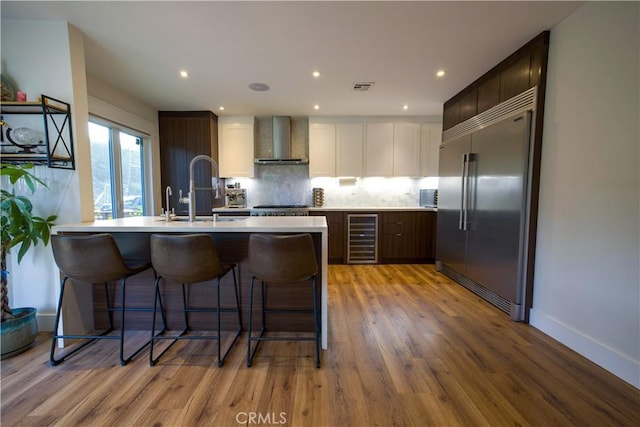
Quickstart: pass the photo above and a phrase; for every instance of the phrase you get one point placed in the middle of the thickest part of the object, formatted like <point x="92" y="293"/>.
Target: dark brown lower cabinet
<point x="336" y="238"/>
<point x="405" y="237"/>
<point x="426" y="236"/>
<point x="398" y="242"/>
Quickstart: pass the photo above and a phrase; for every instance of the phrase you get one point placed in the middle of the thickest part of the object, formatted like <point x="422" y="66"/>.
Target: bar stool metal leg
<point x="316" y="322"/>
<point x="219" y="310"/>
<point x="250" y="353"/>
<point x="103" y="335"/>
<point x="222" y="358"/>
<point x="56" y="325"/>
<point x="154" y="336"/>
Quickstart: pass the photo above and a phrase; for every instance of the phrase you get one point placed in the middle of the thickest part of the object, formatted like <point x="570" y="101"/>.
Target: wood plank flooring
<point x="407" y="347"/>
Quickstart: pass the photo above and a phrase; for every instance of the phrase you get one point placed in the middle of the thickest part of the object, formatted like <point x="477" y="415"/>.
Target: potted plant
<point x="20" y="229"/>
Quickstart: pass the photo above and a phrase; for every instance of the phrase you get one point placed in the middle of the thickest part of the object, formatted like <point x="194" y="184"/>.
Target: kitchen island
<point x="230" y="236"/>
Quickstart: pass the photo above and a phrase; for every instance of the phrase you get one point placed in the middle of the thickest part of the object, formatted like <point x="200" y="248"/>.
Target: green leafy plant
<point x="20" y="227"/>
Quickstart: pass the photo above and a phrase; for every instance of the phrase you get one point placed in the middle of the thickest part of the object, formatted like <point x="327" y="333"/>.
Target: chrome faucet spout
<point x="167" y="213"/>
<point x="215" y="186"/>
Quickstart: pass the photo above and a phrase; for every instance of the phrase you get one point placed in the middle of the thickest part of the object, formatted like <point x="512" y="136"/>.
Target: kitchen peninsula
<point x="230" y="235"/>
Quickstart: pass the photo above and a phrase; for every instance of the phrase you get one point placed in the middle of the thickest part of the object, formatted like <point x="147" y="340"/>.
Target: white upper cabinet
<point x="369" y="148"/>
<point x="349" y="149"/>
<point x="392" y="149"/>
<point x="431" y="138"/>
<point x="235" y="146"/>
<point x="378" y="157"/>
<point x="406" y="149"/>
<point x="322" y="149"/>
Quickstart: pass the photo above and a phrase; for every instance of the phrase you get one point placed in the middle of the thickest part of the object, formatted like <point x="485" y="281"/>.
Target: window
<point x="118" y="171"/>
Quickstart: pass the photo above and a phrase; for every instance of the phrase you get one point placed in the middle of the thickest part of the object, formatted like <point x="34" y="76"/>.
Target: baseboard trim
<point x="45" y="321"/>
<point x="602" y="355"/>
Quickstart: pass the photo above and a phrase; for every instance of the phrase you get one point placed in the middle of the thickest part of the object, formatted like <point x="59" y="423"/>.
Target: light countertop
<point x="374" y="208"/>
<point x="339" y="208"/>
<point x="256" y="224"/>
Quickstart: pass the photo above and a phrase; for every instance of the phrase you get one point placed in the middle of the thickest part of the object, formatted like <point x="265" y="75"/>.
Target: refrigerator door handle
<point x="471" y="157"/>
<point x="465" y="211"/>
<point x="463" y="195"/>
<point x="469" y="191"/>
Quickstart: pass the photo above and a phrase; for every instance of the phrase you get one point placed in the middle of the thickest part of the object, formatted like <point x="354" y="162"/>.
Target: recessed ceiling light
<point x="441" y="73"/>
<point x="184" y="74"/>
<point x="316" y="74"/>
<point x="221" y="108"/>
<point x="405" y="107"/>
<point x="259" y="87"/>
<point x="316" y="107"/>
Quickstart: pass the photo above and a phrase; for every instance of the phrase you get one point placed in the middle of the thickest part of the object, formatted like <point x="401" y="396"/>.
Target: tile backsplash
<point x="290" y="184"/>
<point x="276" y="184"/>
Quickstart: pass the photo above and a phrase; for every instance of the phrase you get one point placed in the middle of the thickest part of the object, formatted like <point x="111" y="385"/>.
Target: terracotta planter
<point x="18" y="334"/>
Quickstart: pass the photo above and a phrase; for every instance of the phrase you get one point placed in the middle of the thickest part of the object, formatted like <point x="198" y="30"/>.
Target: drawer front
<point x="399" y="223"/>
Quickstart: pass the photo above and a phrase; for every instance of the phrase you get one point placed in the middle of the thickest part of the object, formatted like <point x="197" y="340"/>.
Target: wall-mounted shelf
<point x="55" y="148"/>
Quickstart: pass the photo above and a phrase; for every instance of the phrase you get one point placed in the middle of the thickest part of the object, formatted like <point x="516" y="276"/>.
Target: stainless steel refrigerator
<point x="483" y="205"/>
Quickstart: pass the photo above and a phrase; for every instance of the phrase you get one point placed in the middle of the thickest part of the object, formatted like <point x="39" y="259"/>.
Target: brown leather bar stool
<point x="190" y="259"/>
<point x="283" y="259"/>
<point x="92" y="259"/>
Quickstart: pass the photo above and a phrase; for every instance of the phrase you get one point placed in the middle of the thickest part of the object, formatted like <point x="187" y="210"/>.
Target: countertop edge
<point x="350" y="209"/>
<point x="339" y="208"/>
<point x="302" y="224"/>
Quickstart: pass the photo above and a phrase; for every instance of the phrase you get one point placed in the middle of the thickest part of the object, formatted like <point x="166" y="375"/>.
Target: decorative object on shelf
<point x="25" y="138"/>
<point x="8" y="89"/>
<point x="318" y="197"/>
<point x="20" y="229"/>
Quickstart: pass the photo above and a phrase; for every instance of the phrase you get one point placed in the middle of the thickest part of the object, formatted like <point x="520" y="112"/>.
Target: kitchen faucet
<point x="191" y="196"/>
<point x="167" y="213"/>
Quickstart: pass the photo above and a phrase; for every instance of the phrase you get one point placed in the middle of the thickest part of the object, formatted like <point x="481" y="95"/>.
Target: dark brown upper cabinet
<point x="538" y="65"/>
<point x="451" y="115"/>
<point x="184" y="135"/>
<point x="468" y="105"/>
<point x="489" y="94"/>
<point x="515" y="78"/>
<point x="522" y="70"/>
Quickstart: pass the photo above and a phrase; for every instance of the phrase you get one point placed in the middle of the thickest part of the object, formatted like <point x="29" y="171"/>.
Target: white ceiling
<point x="141" y="46"/>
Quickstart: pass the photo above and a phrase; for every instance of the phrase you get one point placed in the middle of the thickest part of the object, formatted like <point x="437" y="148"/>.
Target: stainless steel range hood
<point x="281" y="149"/>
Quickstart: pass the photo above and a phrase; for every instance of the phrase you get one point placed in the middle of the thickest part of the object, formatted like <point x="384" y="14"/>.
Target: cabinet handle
<point x="399" y="234"/>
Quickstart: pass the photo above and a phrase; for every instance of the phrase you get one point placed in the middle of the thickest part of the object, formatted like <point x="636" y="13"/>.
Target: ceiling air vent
<point x="362" y="86"/>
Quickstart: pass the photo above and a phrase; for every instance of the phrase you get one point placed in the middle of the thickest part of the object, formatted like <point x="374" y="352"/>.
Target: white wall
<point x="46" y="57"/>
<point x="587" y="275"/>
<point x="117" y="98"/>
<point x="111" y="103"/>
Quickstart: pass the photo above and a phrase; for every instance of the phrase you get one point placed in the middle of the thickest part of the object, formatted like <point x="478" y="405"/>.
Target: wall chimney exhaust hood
<point x="281" y="149"/>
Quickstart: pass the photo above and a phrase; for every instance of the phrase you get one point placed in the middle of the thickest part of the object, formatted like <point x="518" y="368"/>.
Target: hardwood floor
<point x="406" y="347"/>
